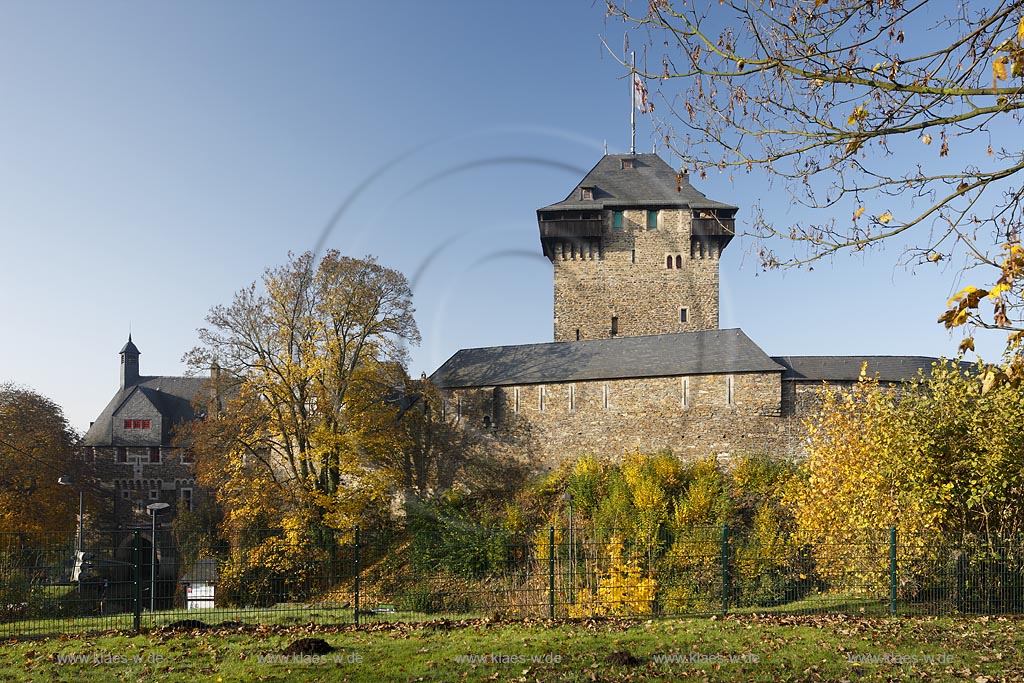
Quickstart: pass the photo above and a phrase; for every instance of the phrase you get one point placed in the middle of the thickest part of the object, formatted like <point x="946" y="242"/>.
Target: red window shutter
<point x="154" y="454"/>
<point x="127" y="424"/>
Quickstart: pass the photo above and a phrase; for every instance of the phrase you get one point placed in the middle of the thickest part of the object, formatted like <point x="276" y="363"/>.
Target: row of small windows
<point x="652" y="220"/>
<point x="684" y="396"/>
<point x="136" y="424"/>
<point x="153" y="453"/>
<point x="129" y="486"/>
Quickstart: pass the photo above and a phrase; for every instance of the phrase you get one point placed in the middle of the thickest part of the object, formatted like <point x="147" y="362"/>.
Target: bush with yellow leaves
<point x="625" y="589"/>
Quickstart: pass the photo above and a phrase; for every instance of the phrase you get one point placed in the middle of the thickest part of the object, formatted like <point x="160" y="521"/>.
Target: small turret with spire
<point x="129" y="364"/>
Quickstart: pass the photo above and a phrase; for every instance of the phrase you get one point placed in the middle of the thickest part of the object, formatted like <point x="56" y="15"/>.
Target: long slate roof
<point x="172" y="396"/>
<point x="663" y="355"/>
<point x="653" y="183"/>
<point x="848" y="368"/>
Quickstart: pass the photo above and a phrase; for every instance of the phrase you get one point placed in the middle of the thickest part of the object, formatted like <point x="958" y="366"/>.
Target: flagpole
<point x="632" y="108"/>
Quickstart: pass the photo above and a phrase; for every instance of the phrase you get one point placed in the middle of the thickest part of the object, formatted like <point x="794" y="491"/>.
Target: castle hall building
<point x="638" y="360"/>
<point x="131" y="445"/>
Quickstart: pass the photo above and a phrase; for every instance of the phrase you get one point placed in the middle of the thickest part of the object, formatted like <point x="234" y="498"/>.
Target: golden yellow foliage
<point x="624" y="590"/>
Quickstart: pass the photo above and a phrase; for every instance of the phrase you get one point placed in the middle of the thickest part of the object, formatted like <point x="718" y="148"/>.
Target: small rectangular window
<point x="127" y="424"/>
<point x="186" y="498"/>
<point x="540" y="399"/>
<point x="154" y="454"/>
<point x="126" y="494"/>
<point x="632" y="256"/>
<point x="652" y="220"/>
<point x="572" y="398"/>
<point x="683" y="314"/>
<point x="615" y="325"/>
<point x="729" y="391"/>
<point x="122" y="454"/>
<point x="586" y="193"/>
<point x="617" y="220"/>
<point x="515" y="401"/>
<point x="458" y="407"/>
<point x="604" y="396"/>
<point x="154" y="494"/>
<point x="684" y="390"/>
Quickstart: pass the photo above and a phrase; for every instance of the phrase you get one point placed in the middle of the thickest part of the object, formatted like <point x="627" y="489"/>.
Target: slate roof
<point x="847" y="368"/>
<point x="172" y="396"/>
<point x="653" y="183"/>
<point x="663" y="355"/>
<point x="130" y="347"/>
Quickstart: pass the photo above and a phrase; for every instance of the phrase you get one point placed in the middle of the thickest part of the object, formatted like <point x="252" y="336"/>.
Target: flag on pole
<point x="639" y="94"/>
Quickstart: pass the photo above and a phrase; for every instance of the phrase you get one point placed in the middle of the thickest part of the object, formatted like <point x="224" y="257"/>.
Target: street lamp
<point x="154" y="508"/>
<point x="68" y="481"/>
<point x="79" y="559"/>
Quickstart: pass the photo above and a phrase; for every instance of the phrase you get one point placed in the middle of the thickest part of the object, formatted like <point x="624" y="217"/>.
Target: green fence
<point x="123" y="580"/>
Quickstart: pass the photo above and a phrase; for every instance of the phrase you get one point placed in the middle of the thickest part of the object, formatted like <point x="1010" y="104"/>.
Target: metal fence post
<point x="892" y="571"/>
<point x="961" y="581"/>
<point x="137" y="579"/>
<point x="551" y="572"/>
<point x="356" y="597"/>
<point x="725" y="569"/>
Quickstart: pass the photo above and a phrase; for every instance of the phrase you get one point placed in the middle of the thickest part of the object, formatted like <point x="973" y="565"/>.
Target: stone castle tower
<point x="635" y="250"/>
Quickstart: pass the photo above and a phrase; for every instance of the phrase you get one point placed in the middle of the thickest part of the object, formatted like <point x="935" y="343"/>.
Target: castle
<point x="638" y="360"/>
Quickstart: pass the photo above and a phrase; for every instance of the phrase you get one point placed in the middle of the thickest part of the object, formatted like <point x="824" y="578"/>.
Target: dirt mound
<point x="231" y="624"/>
<point x="308" y="646"/>
<point x="622" y="658"/>
<point x="186" y="625"/>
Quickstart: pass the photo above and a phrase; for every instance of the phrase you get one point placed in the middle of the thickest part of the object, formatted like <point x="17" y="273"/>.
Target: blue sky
<point x="156" y="157"/>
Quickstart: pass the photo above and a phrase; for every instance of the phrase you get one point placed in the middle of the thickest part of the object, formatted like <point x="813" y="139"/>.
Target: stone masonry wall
<point x="135" y="480"/>
<point x="607" y="418"/>
<point x="632" y="283"/>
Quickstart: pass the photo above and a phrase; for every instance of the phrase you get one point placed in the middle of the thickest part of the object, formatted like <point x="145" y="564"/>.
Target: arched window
<point x="679" y="261"/>
<point x="668" y="262"/>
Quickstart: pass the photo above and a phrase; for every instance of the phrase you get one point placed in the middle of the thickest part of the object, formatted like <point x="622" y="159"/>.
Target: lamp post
<point x="68" y="481"/>
<point x="79" y="560"/>
<point x="154" y="508"/>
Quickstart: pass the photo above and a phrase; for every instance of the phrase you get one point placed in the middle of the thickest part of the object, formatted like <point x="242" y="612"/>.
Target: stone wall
<point x="136" y="476"/>
<point x="628" y="280"/>
<point x="691" y="416"/>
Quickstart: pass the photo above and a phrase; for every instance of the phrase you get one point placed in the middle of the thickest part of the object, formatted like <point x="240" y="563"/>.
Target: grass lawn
<point x="737" y="648"/>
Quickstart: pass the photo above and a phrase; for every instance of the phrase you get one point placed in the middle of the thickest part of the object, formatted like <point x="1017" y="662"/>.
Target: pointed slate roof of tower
<point x="130" y="347"/>
<point x="652" y="183"/>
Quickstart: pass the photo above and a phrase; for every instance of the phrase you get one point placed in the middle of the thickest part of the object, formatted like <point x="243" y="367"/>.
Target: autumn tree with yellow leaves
<point x="940" y="460"/>
<point x="309" y="384"/>
<point x="886" y="118"/>
<point x="37" y="446"/>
